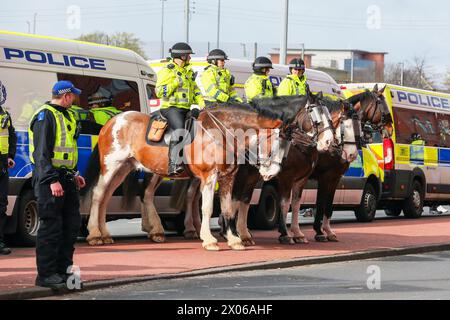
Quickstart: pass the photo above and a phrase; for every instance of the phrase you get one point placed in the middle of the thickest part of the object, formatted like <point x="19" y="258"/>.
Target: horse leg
<point x="325" y="195"/>
<point x="155" y="228"/>
<point x="242" y="229"/>
<point x="229" y="213"/>
<point x="189" y="228"/>
<point x="207" y="189"/>
<point x="118" y="177"/>
<point x="285" y="237"/>
<point x="196" y="209"/>
<point x="145" y="227"/>
<point x="94" y="236"/>
<point x="331" y="236"/>
<point x="297" y="190"/>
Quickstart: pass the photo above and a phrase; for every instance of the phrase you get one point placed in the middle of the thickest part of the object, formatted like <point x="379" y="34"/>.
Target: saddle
<point x="158" y="130"/>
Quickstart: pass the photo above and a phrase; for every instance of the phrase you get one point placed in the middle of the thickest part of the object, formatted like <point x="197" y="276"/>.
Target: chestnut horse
<point x="122" y="148"/>
<point x="296" y="169"/>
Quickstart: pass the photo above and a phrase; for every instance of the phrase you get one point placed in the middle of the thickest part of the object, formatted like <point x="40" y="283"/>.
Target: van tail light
<point x="389" y="158"/>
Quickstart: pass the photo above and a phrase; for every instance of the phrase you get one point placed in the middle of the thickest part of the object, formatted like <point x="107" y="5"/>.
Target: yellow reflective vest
<point x="219" y="85"/>
<point x="176" y="87"/>
<point x="4" y="133"/>
<point x="102" y="115"/>
<point x="65" y="151"/>
<point x="258" y="86"/>
<point x="79" y="113"/>
<point x="292" y="85"/>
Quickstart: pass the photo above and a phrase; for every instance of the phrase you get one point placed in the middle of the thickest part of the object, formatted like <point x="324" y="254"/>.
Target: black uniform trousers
<point x="176" y="117"/>
<point x="4" y="180"/>
<point x="60" y="223"/>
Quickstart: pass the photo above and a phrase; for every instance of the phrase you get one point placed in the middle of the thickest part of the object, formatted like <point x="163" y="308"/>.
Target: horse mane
<point x="284" y="108"/>
<point x="359" y="97"/>
<point x="332" y="105"/>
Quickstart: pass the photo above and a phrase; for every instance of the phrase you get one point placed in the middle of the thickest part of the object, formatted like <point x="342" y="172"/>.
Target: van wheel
<point x="27" y="220"/>
<point x="413" y="205"/>
<point x="394" y="212"/>
<point x="368" y="207"/>
<point x="265" y="215"/>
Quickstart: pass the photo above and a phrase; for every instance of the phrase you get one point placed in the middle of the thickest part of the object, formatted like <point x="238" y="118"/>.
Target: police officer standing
<point x="8" y="141"/>
<point x="177" y="89"/>
<point x="295" y="83"/>
<point x="259" y="85"/>
<point x="217" y="81"/>
<point x="53" y="150"/>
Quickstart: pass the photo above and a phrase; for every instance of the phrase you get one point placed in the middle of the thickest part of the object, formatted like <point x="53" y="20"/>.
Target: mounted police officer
<point x="53" y="150"/>
<point x="177" y="89"/>
<point x="259" y="84"/>
<point x="8" y="141"/>
<point x="217" y="81"/>
<point x="295" y="83"/>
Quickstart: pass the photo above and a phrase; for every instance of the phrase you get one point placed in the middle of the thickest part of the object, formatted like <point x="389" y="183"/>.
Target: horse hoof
<point x="248" y="242"/>
<point x="108" y="240"/>
<point x="301" y="240"/>
<point x="332" y="238"/>
<point x="95" y="242"/>
<point x="237" y="246"/>
<point x="157" y="237"/>
<point x="285" y="240"/>
<point x="320" y="238"/>
<point x="211" y="247"/>
<point x="191" y="235"/>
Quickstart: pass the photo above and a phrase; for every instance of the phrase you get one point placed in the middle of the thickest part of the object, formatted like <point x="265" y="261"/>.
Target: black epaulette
<point x="206" y="68"/>
<point x="170" y="66"/>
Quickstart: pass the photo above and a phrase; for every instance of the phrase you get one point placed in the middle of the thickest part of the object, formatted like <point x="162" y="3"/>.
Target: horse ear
<point x="382" y="90"/>
<point x="375" y="88"/>
<point x="319" y="95"/>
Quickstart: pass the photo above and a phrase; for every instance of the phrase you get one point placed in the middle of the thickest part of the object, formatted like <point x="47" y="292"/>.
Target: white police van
<point x="29" y="67"/>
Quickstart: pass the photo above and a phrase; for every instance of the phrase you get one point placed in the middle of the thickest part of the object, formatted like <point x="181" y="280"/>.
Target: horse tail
<point x="92" y="172"/>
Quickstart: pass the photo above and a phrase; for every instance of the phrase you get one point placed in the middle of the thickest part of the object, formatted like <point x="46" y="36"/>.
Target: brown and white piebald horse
<point x="122" y="147"/>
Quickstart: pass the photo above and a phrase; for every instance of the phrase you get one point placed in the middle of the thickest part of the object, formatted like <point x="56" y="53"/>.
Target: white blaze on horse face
<point x="271" y="167"/>
<point x="350" y="151"/>
<point x="325" y="139"/>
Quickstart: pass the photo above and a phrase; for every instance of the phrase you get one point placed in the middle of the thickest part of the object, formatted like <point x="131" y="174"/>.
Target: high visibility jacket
<point x="102" y="115"/>
<point x="258" y="86"/>
<point x="4" y="133"/>
<point x="219" y="85"/>
<point x="418" y="142"/>
<point x="176" y="87"/>
<point x="79" y="113"/>
<point x="65" y="151"/>
<point x="292" y="85"/>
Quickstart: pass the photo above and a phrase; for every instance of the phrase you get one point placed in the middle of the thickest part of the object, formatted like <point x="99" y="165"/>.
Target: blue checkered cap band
<point x="62" y="87"/>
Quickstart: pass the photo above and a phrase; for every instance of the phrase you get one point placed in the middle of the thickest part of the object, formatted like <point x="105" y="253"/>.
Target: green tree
<point x="119" y="39"/>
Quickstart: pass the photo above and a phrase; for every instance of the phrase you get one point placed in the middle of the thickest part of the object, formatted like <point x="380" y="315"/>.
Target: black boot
<point x="4" y="250"/>
<point x="175" y="166"/>
<point x="55" y="282"/>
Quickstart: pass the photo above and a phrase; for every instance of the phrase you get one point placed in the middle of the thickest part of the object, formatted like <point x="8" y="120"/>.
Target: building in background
<point x="366" y="66"/>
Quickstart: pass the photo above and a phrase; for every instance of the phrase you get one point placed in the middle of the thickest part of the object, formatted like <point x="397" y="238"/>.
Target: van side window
<point x="150" y="91"/>
<point x="101" y="99"/>
<point x="423" y="123"/>
<point x="444" y="130"/>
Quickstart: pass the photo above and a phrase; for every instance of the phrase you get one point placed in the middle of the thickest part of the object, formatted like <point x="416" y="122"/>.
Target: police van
<point x="361" y="181"/>
<point x="29" y="66"/>
<point x="415" y="160"/>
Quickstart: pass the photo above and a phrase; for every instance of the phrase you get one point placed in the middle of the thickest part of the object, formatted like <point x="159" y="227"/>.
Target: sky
<point x="403" y="28"/>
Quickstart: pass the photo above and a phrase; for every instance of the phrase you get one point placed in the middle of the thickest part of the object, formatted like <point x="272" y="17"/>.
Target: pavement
<point x="137" y="259"/>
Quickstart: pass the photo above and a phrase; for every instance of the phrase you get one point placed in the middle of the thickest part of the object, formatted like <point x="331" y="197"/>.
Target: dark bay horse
<point x="372" y="110"/>
<point x="296" y="169"/>
<point x="122" y="148"/>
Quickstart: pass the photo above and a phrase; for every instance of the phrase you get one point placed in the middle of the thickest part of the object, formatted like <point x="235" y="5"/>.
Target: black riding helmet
<point x="180" y="49"/>
<point x="297" y="64"/>
<point x="260" y="64"/>
<point x="216" y="54"/>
